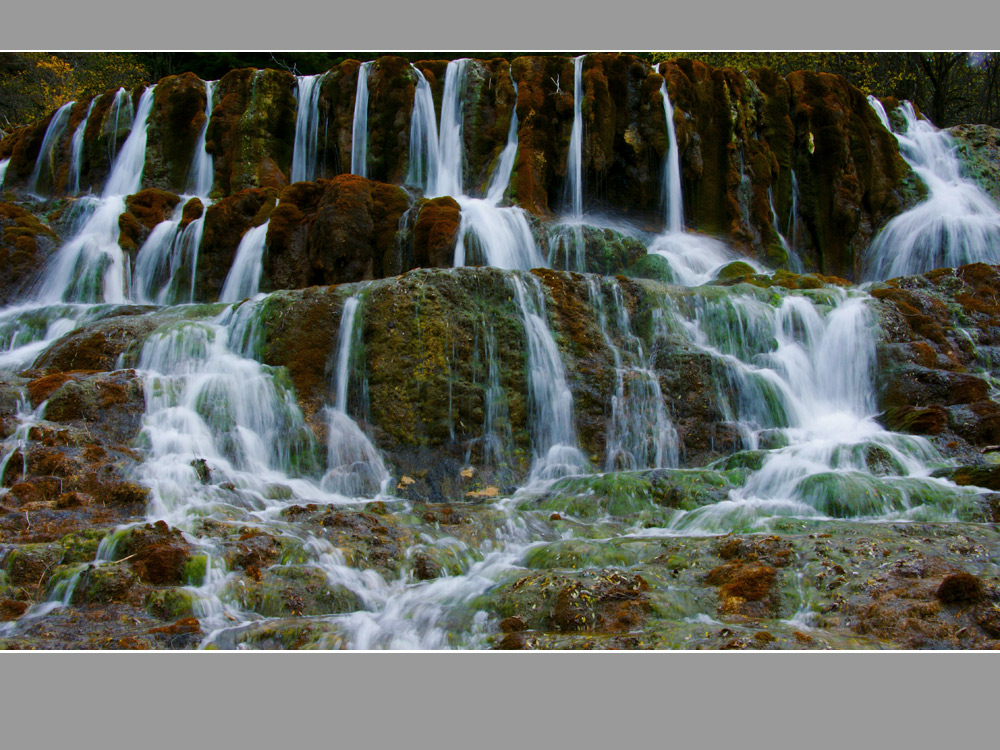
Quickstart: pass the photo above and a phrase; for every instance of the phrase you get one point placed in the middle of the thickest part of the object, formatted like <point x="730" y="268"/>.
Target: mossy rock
<point x="651" y="266"/>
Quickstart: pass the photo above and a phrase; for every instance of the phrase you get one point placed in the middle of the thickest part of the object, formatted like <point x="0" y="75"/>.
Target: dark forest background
<point x="949" y="87"/>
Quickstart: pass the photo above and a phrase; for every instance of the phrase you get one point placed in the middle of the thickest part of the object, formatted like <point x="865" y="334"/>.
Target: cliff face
<point x="744" y="141"/>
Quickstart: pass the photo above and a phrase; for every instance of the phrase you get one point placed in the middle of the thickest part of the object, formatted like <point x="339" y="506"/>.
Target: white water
<point x="164" y="254"/>
<point x="3" y="170"/>
<point x="574" y="160"/>
<point x="806" y="374"/>
<point x="243" y="279"/>
<point x="359" y="131"/>
<point x="123" y="100"/>
<point x="91" y="266"/>
<point x="553" y="435"/>
<point x="202" y="170"/>
<point x="76" y="156"/>
<point x="46" y="153"/>
<point x="488" y="233"/>
<point x="304" y="151"/>
<point x="694" y="259"/>
<point x="794" y="262"/>
<point x="451" y="148"/>
<point x="958" y="223"/>
<point x="354" y="466"/>
<point x="673" y="206"/>
<point x="424" y="156"/>
<point x="640" y="435"/>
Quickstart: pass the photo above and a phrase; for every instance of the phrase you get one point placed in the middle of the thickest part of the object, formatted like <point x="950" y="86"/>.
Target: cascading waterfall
<point x="46" y="153"/>
<point x="76" y="157"/>
<point x="243" y="279"/>
<point x="168" y="251"/>
<point x="304" y="151"/>
<point x="497" y="236"/>
<point x="556" y="451"/>
<point x="354" y="466"/>
<point x="91" y="266"/>
<point x="359" y="131"/>
<point x="803" y="378"/>
<point x="640" y="434"/>
<point x="202" y="171"/>
<point x="958" y="223"/>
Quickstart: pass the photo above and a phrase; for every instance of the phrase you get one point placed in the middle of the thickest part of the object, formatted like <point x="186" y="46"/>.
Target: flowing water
<point x="956" y="224"/>
<point x="46" y="163"/>
<point x="227" y="452"/>
<point x="202" y="171"/>
<point x="76" y="155"/>
<point x="304" y="152"/>
<point x="3" y="170"/>
<point x="243" y="279"/>
<point x="359" y="132"/>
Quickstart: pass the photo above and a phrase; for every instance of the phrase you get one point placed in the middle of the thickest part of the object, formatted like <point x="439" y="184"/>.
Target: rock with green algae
<point x="978" y="149"/>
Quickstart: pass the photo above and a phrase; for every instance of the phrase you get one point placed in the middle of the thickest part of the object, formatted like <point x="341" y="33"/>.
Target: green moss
<point x="651" y="266"/>
<point x="170" y="604"/>
<point x="195" y="569"/>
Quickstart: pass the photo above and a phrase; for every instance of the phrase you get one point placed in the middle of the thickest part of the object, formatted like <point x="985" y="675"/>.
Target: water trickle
<point x="640" y="435"/>
<point x="76" y="156"/>
<point x="202" y="171"/>
<point x="793" y="257"/>
<point x="958" y="223"/>
<point x="359" y="131"/>
<point x="45" y="163"/>
<point x="354" y="466"/>
<point x="122" y="111"/>
<point x="554" y="442"/>
<point x="304" y="152"/>
<point x="3" y="170"/>
<point x="243" y="279"/>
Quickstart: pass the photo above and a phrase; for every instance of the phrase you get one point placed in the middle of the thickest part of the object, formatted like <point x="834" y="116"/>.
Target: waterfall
<point x="3" y="170"/>
<point x="958" y="223"/>
<point x="202" y="171"/>
<point x="50" y="141"/>
<point x="694" y="258"/>
<point x="500" y="180"/>
<point x="497" y="236"/>
<point x="793" y="257"/>
<point x="122" y="99"/>
<point x="424" y="154"/>
<point x="574" y="161"/>
<point x="640" y="434"/>
<point x="90" y="267"/>
<point x="359" y="131"/>
<point x="451" y="147"/>
<point x="554" y="442"/>
<point x="163" y="256"/>
<point x="76" y="157"/>
<point x="304" y="152"/>
<point x="354" y="466"/>
<point x="243" y="279"/>
<point x="673" y="206"/>
<point x="802" y="375"/>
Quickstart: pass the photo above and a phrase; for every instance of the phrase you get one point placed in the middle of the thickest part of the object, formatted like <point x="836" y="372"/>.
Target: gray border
<point x="529" y="25"/>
